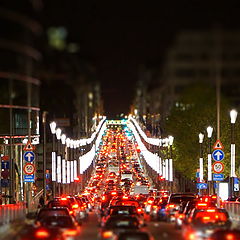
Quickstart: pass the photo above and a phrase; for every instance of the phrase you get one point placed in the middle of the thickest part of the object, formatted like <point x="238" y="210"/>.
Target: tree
<point x="191" y="114"/>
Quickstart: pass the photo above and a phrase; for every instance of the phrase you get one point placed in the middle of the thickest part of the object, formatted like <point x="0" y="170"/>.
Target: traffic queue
<point x="123" y="197"/>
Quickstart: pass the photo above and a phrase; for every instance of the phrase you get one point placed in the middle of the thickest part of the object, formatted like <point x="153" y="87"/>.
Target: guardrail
<point x="233" y="209"/>
<point x="12" y="212"/>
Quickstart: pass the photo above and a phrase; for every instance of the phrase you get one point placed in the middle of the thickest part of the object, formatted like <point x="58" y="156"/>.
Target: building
<point x="19" y="86"/>
<point x="205" y="56"/>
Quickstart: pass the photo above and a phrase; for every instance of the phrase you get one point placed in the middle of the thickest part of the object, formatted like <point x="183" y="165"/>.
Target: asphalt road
<point x="160" y="230"/>
<point x="90" y="229"/>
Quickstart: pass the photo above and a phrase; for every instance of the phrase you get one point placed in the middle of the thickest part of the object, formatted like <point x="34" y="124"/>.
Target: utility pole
<point x="218" y="37"/>
<point x="44" y="116"/>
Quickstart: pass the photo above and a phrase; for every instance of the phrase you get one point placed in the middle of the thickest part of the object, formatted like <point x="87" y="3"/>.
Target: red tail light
<point x="71" y="212"/>
<point x="139" y="210"/>
<point x="202" y="204"/>
<point x="107" y="234"/>
<point x="230" y="236"/>
<point x="64" y="199"/>
<point x="103" y="198"/>
<point x="181" y="216"/>
<point x="125" y="197"/>
<point x="75" y="206"/>
<point x="211" y="210"/>
<point x="42" y="234"/>
<point x="150" y="201"/>
<point x="170" y="206"/>
<point x="70" y="232"/>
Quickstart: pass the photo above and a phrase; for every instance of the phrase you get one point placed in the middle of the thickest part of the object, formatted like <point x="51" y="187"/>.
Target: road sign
<point x="236" y="184"/>
<point x="218" y="145"/>
<point x="218" y="167"/>
<point x="5" y="165"/>
<point x="218" y="155"/>
<point x="29" y="156"/>
<point x="202" y="185"/>
<point x="29" y="168"/>
<point x="29" y="178"/>
<point x="28" y="146"/>
<point x="218" y="177"/>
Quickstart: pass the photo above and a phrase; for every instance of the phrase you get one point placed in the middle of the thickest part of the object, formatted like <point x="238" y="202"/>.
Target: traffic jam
<point x="120" y="202"/>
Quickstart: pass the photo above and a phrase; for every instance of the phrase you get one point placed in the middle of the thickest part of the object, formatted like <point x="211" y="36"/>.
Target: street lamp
<point x="201" y="137"/>
<point x="54" y="175"/>
<point x="59" y="164"/>
<point x="209" y="134"/>
<point x="68" y="141"/>
<point x="63" y="140"/>
<point x="233" y="116"/>
<point x="170" y="140"/>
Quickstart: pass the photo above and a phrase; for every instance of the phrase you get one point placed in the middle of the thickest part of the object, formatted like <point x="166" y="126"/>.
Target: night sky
<point x="120" y="35"/>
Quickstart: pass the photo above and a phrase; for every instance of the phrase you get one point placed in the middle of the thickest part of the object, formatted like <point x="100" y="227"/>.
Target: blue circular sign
<point x="218" y="155"/>
<point x="29" y="156"/>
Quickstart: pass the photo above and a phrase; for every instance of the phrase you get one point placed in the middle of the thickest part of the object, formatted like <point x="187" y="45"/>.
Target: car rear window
<point x="180" y="199"/>
<point x="55" y="212"/>
<point x="58" y="221"/>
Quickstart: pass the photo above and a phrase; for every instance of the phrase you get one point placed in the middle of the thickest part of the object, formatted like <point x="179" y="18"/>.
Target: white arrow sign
<point x="218" y="155"/>
<point x="29" y="156"/>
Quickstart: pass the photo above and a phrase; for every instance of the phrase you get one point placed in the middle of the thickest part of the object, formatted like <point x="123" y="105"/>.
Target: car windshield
<point x="57" y="221"/>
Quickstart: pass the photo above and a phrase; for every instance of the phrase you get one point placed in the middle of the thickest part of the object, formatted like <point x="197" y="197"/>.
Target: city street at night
<point x="119" y="121"/>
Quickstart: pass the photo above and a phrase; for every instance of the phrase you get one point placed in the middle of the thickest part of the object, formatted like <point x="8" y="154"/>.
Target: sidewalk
<point x="9" y="231"/>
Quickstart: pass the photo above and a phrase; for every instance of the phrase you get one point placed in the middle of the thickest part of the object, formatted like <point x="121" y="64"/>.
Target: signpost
<point x="218" y="145"/>
<point x="29" y="156"/>
<point x="218" y="167"/>
<point x="202" y="186"/>
<point x="29" y="169"/>
<point x="218" y="177"/>
<point x="218" y="155"/>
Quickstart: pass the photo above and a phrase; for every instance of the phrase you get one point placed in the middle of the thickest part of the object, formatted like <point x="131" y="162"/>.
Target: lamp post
<point x="63" y="140"/>
<point x="201" y="137"/>
<point x="68" y="141"/>
<point x="54" y="176"/>
<point x="209" y="134"/>
<point x="170" y="140"/>
<point x="233" y="116"/>
<point x="167" y="163"/>
<point x="59" y="178"/>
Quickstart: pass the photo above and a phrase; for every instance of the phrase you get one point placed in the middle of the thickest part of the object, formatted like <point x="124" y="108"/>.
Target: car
<point x="55" y="211"/>
<point x="117" y="224"/>
<point x="30" y="232"/>
<point x="174" y="202"/>
<point x="66" y="224"/>
<point x="203" y="222"/>
<point x="230" y="234"/>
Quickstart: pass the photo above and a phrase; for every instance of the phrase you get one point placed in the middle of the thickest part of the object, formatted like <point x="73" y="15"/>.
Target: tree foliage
<point x="191" y="114"/>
